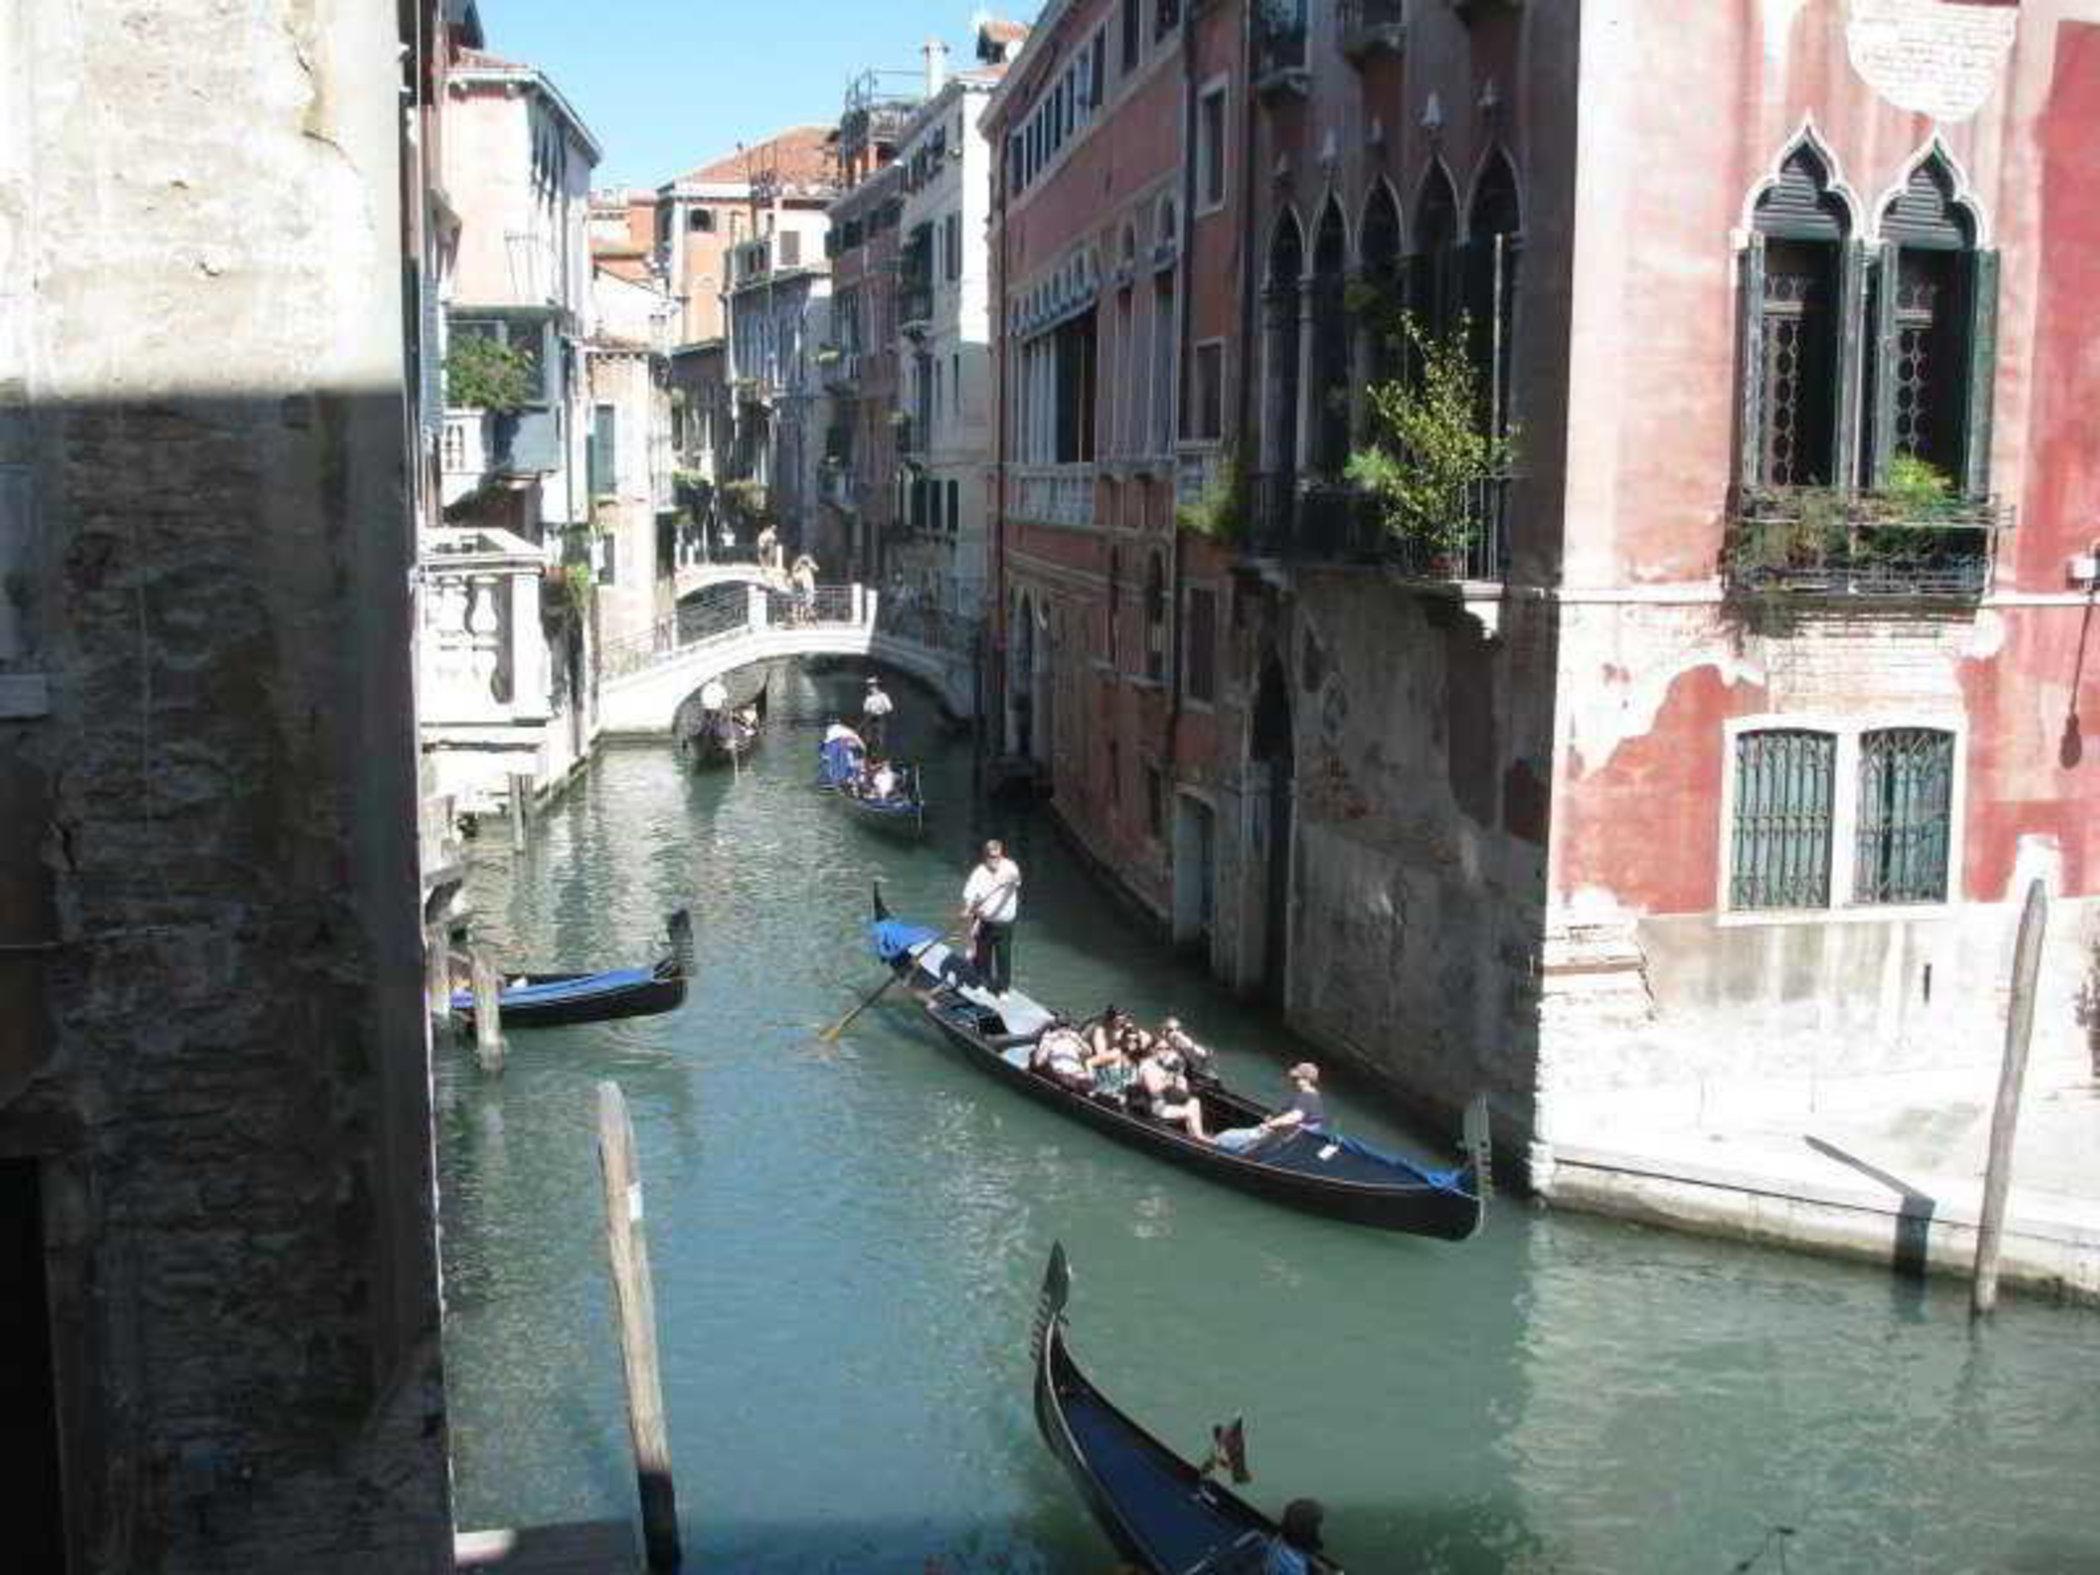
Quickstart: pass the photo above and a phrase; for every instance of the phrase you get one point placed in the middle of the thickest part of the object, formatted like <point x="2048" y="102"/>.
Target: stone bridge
<point x="727" y="626"/>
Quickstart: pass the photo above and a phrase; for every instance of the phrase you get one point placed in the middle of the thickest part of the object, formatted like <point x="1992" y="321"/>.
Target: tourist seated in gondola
<point x="882" y="780"/>
<point x="839" y="732"/>
<point x="1163" y="1092"/>
<point x="1105" y="1033"/>
<point x="1113" y="1072"/>
<point x="1193" y="1055"/>
<point x="1305" y="1113"/>
<point x="1291" y="1551"/>
<point x="1060" y="1054"/>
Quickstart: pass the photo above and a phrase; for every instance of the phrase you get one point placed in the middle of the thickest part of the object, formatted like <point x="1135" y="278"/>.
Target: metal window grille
<point x="1906" y="778"/>
<point x="1784" y="779"/>
<point x="1800" y="344"/>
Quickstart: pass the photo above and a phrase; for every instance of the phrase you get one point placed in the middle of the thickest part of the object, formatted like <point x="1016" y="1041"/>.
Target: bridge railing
<point x="727" y="612"/>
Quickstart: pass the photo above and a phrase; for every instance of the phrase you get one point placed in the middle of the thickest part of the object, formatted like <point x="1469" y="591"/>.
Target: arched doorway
<point x="1271" y="762"/>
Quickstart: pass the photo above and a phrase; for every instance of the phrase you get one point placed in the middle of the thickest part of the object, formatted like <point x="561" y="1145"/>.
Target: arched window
<point x="1800" y="293"/>
<point x="1379" y="248"/>
<point x="1432" y="289"/>
<point x="1491" y="284"/>
<point x="1280" y="346"/>
<point x="1935" y="303"/>
<point x="1329" y="416"/>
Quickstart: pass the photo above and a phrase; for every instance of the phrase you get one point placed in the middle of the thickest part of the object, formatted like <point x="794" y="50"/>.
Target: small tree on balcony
<point x="483" y="373"/>
<point x="1430" y="450"/>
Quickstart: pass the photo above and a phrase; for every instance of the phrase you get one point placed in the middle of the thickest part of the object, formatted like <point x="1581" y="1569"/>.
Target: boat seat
<point x="1008" y="1041"/>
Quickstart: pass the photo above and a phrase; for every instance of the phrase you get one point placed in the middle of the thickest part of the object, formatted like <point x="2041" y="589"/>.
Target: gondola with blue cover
<point x="902" y="814"/>
<point x="545" y="1000"/>
<point x="1320" y="1172"/>
<point x="1165" y="1515"/>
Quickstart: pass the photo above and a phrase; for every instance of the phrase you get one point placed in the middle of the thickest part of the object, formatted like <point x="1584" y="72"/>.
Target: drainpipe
<point x="994" y="655"/>
<point x="1185" y="303"/>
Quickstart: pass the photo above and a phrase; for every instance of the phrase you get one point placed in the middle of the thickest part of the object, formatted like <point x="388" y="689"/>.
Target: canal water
<point x="848" y="1242"/>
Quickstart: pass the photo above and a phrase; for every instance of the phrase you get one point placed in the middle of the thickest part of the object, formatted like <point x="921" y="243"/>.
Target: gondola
<point x="544" y="1000"/>
<point x="1319" y="1172"/>
<point x="902" y="814"/>
<point x="1163" y="1514"/>
<point x="721" y="739"/>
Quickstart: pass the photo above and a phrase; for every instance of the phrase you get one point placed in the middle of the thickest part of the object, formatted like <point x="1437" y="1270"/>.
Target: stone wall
<point x="219" y="1059"/>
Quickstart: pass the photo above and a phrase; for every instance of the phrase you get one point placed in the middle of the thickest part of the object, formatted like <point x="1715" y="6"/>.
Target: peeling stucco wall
<point x="203" y="373"/>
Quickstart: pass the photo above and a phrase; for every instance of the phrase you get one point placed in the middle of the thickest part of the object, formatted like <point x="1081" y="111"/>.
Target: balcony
<point x="1820" y="544"/>
<point x="915" y="306"/>
<point x="1371" y="27"/>
<point x="1054" y="494"/>
<point x="1298" y="520"/>
<point x="1280" y="70"/>
<point x="514" y="444"/>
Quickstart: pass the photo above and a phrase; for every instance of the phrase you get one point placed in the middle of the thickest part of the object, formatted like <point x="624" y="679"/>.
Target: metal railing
<point x="1368" y="25"/>
<point x="1279" y="42"/>
<point x="1297" y="519"/>
<point x="1811" y="542"/>
<point x="722" y="613"/>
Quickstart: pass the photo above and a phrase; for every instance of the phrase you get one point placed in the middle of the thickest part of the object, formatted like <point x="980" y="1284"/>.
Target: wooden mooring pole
<point x="520" y="796"/>
<point x="488" y="1011"/>
<point x="628" y="1250"/>
<point x="2019" y="1026"/>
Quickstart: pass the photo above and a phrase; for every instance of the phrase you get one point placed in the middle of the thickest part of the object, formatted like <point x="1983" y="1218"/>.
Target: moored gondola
<point x="546" y="1000"/>
<point x="900" y="814"/>
<point x="1163" y="1514"/>
<point x="1320" y="1171"/>
<point x="723" y="738"/>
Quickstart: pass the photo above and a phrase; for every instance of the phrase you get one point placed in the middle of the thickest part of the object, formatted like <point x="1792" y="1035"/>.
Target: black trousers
<point x="994" y="955"/>
<point x="873" y="729"/>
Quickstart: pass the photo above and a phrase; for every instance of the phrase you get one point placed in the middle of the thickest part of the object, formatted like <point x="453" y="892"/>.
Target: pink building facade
<point x="1706" y="757"/>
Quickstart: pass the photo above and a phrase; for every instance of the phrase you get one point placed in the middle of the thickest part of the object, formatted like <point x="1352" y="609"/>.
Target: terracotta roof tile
<point x="800" y="155"/>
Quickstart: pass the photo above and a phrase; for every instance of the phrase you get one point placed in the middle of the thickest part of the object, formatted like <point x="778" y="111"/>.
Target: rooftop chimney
<point x="936" y="66"/>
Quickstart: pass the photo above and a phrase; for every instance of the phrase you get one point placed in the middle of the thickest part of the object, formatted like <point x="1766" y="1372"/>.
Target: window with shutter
<point x="1784" y="785"/>
<point x="1906" y="777"/>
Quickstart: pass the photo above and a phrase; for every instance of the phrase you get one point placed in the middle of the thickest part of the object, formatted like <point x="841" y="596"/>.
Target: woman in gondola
<point x="1163" y="1090"/>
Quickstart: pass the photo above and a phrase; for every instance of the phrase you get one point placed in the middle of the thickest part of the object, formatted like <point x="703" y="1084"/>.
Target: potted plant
<point x="1430" y="453"/>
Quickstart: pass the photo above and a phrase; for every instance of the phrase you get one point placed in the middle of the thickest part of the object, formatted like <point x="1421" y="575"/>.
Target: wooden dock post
<point x="628" y="1249"/>
<point x="520" y="796"/>
<point x="2005" y="1118"/>
<point x="437" y="972"/>
<point x="488" y="1012"/>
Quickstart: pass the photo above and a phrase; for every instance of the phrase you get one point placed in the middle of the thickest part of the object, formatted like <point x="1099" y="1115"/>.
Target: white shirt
<point x="1002" y="879"/>
<point x="885" y="782"/>
<point x="713" y="696"/>
<point x="877" y="704"/>
<point x="839" y="730"/>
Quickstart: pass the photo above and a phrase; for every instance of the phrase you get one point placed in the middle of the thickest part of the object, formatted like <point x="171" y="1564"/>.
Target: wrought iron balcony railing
<point x="1296" y="519"/>
<point x="1279" y="49"/>
<point x="1814" y="542"/>
<point x="914" y="305"/>
<point x="1369" y="26"/>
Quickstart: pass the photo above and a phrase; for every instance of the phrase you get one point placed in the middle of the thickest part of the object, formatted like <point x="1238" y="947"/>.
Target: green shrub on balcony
<point x="1219" y="512"/>
<point x="482" y="373"/>
<point x="1429" y="457"/>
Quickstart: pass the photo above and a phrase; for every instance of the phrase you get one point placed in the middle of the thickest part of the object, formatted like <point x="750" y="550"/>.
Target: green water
<point x="847" y="1244"/>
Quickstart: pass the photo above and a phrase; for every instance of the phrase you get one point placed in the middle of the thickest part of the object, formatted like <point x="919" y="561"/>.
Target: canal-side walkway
<point x="1889" y="1169"/>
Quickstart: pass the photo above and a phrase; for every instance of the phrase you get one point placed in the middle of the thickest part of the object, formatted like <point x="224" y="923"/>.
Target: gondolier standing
<point x="991" y="902"/>
<point x="875" y="715"/>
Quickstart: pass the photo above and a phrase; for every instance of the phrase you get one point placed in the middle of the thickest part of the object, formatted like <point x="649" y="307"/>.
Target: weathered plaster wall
<point x="201" y="428"/>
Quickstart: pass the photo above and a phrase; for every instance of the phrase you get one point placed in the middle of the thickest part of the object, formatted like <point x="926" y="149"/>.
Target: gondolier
<point x="991" y="903"/>
<point x="875" y="714"/>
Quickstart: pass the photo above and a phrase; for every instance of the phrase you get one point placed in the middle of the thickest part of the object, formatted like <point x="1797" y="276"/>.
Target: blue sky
<point x="667" y="84"/>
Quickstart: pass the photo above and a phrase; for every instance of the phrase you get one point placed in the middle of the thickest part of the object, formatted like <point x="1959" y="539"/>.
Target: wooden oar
<point x="831" y="1034"/>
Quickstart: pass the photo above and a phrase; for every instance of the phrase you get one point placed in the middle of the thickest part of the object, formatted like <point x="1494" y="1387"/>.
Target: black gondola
<point x="543" y="1000"/>
<point x="723" y="738"/>
<point x="1320" y="1172"/>
<point x="902" y="814"/>
<point x="1163" y="1514"/>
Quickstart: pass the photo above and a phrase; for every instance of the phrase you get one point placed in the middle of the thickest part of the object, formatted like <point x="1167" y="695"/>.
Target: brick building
<point x="1702" y="753"/>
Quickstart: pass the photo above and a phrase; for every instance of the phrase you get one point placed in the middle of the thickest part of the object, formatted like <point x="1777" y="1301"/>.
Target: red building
<point x="1700" y="755"/>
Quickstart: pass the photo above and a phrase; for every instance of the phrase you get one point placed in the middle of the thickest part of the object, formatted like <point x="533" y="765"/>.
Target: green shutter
<point x="1982" y="373"/>
<point x="1882" y="435"/>
<point x="1750" y="373"/>
<point x="1852" y="312"/>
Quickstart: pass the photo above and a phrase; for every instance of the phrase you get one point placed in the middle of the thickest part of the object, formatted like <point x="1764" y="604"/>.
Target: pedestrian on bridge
<point x="803" y="576"/>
